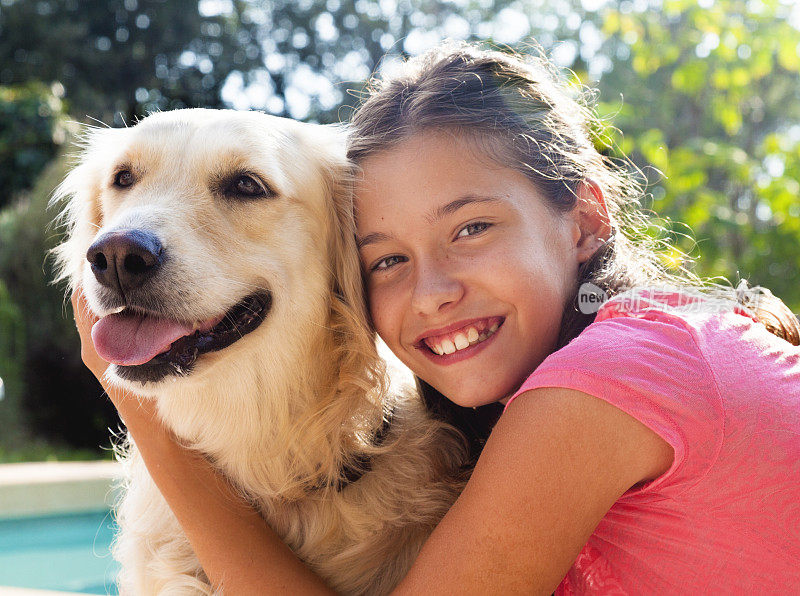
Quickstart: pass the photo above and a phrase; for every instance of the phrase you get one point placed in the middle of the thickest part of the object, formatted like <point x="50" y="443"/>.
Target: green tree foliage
<point x="60" y="398"/>
<point x="12" y="366"/>
<point x="125" y="56"/>
<point x="31" y="130"/>
<point x="706" y="95"/>
<point x="318" y="51"/>
<point x="712" y="100"/>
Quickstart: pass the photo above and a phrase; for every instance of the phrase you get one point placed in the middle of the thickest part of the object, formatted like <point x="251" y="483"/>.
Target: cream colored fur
<point x="284" y="409"/>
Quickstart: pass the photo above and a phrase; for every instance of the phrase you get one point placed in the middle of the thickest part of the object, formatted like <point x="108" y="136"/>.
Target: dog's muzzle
<point x="139" y="336"/>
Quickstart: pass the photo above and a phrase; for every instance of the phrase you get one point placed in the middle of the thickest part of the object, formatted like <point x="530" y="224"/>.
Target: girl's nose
<point x="435" y="288"/>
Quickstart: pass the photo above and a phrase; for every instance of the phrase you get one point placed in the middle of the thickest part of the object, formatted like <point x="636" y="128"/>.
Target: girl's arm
<point x="236" y="548"/>
<point x="238" y="551"/>
<point x="555" y="463"/>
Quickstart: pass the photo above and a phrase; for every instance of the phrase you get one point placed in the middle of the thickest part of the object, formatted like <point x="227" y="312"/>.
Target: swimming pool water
<point x="59" y="552"/>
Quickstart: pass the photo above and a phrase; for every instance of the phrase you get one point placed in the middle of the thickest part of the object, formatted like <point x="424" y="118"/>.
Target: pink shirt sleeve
<point x="650" y="367"/>
<point x="725" y="394"/>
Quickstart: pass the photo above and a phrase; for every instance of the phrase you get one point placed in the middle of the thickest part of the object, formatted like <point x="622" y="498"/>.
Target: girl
<point x="648" y="447"/>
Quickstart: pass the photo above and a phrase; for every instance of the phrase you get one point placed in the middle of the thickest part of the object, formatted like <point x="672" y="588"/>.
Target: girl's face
<point x="467" y="268"/>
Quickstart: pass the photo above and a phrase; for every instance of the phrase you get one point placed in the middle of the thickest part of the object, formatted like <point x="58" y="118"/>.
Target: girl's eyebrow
<point x="437" y="214"/>
<point x="373" y="238"/>
<point x="449" y="208"/>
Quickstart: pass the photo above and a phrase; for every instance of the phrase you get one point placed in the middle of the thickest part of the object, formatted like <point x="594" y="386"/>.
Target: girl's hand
<point x="227" y="534"/>
<point x="85" y="320"/>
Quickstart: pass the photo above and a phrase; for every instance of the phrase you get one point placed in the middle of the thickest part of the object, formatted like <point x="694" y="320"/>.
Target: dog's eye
<point x="247" y="186"/>
<point x="123" y="178"/>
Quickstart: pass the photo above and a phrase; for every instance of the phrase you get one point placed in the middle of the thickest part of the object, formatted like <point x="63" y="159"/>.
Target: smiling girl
<point x="648" y="447"/>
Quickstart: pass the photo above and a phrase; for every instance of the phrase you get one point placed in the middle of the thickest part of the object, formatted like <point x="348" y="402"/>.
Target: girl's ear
<point x="593" y="227"/>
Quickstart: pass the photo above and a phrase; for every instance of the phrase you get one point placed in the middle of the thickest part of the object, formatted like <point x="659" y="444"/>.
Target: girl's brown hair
<point x="523" y="115"/>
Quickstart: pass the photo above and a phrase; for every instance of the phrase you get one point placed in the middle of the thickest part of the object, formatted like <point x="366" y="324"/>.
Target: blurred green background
<point x="704" y="92"/>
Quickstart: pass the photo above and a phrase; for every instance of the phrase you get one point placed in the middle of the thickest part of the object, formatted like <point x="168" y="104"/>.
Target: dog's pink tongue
<point x="129" y="339"/>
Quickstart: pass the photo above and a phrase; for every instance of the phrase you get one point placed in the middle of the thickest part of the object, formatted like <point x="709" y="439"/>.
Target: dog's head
<point x="196" y="231"/>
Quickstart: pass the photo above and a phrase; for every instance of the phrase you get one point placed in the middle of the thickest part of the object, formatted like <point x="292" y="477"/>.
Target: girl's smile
<point x="459" y="337"/>
<point x="468" y="268"/>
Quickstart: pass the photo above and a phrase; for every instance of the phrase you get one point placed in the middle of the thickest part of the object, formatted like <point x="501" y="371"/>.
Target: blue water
<point x="59" y="552"/>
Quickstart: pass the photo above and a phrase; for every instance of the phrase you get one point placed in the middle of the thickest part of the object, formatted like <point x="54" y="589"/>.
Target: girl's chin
<point x="471" y="400"/>
<point x="478" y="393"/>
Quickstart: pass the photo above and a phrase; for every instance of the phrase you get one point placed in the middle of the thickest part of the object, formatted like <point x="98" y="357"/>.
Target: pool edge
<point x="52" y="488"/>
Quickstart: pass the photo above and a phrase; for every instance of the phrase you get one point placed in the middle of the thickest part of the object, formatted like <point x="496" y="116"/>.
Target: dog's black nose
<point x="124" y="259"/>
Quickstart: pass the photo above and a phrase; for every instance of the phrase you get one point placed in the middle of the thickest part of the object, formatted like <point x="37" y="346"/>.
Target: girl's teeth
<point x="461" y="341"/>
<point x="451" y="347"/>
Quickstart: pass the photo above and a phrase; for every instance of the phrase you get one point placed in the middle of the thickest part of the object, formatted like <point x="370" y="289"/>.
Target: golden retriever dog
<point x="217" y="248"/>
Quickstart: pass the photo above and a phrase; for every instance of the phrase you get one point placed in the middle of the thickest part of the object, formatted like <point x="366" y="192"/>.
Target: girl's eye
<point x="473" y="229"/>
<point x="387" y="263"/>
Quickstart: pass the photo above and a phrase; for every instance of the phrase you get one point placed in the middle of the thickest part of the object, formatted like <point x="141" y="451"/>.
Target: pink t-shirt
<point x="725" y="394"/>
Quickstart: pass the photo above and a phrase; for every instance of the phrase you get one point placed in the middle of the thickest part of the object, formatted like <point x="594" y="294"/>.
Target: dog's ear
<point x="347" y="284"/>
<point x="360" y="373"/>
<point x="349" y="314"/>
<point x="78" y="200"/>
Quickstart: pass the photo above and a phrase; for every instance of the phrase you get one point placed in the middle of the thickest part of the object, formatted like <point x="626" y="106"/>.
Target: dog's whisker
<point x="103" y="124"/>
